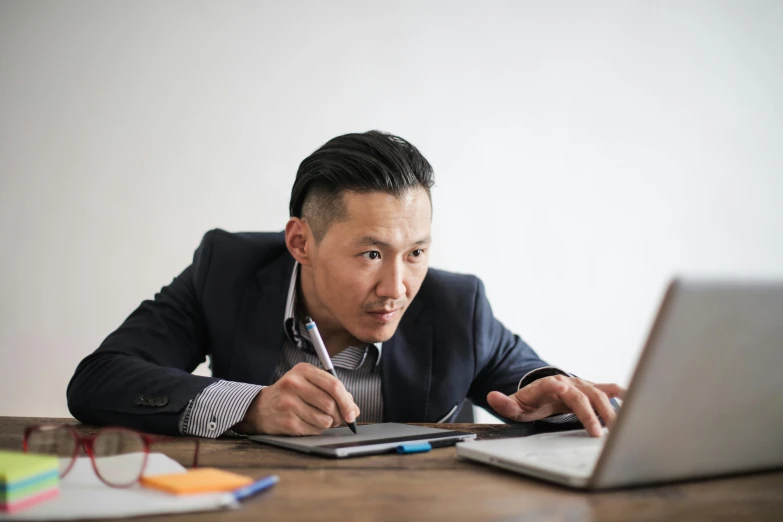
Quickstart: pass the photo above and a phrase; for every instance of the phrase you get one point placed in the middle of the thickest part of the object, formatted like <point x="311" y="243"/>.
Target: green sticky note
<point x="16" y="466"/>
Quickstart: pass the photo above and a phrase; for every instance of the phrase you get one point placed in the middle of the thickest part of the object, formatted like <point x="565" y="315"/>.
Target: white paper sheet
<point x="83" y="495"/>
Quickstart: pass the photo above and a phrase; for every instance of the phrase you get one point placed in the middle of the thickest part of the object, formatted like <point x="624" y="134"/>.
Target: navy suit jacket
<point x="229" y="305"/>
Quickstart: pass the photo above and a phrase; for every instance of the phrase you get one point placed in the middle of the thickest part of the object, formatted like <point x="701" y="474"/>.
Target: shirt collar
<point x="293" y="328"/>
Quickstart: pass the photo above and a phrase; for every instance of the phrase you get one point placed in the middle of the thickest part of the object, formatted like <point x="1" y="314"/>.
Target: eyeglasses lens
<point x="119" y="456"/>
<point x="53" y="440"/>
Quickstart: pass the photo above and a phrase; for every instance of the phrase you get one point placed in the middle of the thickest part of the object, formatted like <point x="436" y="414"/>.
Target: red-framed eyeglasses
<point x="118" y="455"/>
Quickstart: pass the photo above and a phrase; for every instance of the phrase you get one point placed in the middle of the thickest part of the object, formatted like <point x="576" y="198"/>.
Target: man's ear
<point x="299" y="240"/>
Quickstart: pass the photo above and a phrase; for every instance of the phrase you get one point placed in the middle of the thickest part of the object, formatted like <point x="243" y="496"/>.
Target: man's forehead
<point x="382" y="219"/>
<point x="381" y="241"/>
<point x="388" y="234"/>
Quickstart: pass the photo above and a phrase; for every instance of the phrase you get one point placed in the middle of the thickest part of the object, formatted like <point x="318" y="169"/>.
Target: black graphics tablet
<point x="370" y="439"/>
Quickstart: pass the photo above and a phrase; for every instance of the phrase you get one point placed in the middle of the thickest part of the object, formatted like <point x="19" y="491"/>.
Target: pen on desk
<point x="326" y="361"/>
<point x="255" y="488"/>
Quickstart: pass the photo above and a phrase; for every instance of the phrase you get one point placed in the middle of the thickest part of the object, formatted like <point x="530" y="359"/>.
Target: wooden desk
<point x="439" y="486"/>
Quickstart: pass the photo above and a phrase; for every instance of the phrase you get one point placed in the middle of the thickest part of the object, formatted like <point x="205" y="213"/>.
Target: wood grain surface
<point x="440" y="486"/>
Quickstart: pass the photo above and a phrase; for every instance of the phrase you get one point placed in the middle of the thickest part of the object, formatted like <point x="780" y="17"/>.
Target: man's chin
<point x="379" y="334"/>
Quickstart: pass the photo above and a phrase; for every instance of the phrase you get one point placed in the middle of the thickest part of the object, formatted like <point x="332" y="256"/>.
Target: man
<point x="409" y="344"/>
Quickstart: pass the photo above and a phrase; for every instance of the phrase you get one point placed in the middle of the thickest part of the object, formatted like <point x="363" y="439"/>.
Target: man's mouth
<point x="384" y="315"/>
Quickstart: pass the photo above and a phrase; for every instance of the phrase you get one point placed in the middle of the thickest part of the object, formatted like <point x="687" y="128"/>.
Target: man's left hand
<point x="560" y="394"/>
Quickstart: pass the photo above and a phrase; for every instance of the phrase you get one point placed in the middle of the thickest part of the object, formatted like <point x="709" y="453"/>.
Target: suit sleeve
<point x="140" y="376"/>
<point x="502" y="358"/>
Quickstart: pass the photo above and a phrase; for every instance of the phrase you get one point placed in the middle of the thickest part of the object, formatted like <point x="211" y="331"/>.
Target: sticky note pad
<point x="201" y="480"/>
<point x="26" y="479"/>
<point x="15" y="466"/>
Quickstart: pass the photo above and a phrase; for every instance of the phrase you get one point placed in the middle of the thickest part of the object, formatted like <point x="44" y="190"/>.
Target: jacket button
<point x="139" y="400"/>
<point x="161" y="401"/>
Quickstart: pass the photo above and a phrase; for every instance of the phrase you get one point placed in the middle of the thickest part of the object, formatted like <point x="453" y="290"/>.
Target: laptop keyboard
<point x="568" y="452"/>
<point x="579" y="460"/>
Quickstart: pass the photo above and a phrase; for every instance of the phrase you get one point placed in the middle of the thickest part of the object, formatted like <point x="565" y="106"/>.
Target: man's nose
<point x="392" y="284"/>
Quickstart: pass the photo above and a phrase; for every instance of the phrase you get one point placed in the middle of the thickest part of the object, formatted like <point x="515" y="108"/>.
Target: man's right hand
<point x="304" y="401"/>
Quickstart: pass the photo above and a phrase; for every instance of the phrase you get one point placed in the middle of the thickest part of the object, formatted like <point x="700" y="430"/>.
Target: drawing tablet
<point x="371" y="439"/>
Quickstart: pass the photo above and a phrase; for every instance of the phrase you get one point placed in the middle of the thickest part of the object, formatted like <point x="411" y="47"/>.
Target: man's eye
<point x="372" y="255"/>
<point x="417" y="252"/>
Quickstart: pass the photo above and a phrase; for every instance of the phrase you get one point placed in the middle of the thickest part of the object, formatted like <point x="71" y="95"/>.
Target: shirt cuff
<point x="539" y="373"/>
<point x="548" y="371"/>
<point x="218" y="407"/>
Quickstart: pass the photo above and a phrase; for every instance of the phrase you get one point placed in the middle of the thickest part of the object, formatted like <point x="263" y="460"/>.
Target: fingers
<point x="601" y="404"/>
<point x="515" y="407"/>
<point x="322" y="401"/>
<point x="313" y="417"/>
<point x="332" y="386"/>
<point x="296" y="425"/>
<point x="612" y="390"/>
<point x="580" y="405"/>
<point x="505" y="405"/>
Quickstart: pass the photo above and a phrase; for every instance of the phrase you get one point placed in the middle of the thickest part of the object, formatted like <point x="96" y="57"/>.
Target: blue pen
<point x="256" y="487"/>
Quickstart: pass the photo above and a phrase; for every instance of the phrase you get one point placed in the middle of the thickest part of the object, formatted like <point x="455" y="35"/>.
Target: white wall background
<point x="584" y="153"/>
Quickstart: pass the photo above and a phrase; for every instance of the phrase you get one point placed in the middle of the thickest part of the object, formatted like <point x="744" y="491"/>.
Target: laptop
<point x="705" y="399"/>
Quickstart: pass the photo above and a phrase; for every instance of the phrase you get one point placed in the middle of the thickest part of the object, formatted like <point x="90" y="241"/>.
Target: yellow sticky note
<point x="200" y="480"/>
<point x="15" y="465"/>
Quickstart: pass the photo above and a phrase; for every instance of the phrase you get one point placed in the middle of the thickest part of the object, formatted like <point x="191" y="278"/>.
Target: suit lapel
<point x="406" y="368"/>
<point x="259" y="339"/>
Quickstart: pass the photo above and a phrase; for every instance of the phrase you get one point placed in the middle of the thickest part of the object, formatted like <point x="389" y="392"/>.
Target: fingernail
<point x="350" y="417"/>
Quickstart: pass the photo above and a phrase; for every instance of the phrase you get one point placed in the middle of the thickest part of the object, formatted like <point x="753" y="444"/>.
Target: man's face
<point x="368" y="268"/>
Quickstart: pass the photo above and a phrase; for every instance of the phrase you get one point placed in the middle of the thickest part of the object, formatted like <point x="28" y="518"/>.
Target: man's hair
<point x="368" y="162"/>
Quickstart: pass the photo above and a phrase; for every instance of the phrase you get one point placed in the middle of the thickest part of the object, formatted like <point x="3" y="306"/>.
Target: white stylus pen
<point x="326" y="361"/>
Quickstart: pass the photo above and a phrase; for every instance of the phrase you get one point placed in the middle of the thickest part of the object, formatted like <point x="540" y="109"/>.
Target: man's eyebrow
<point x="374" y="241"/>
<point x="371" y="241"/>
